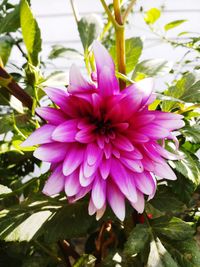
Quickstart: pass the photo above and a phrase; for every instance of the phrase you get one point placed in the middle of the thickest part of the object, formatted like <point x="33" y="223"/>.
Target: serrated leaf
<point x="137" y="240"/>
<point x="152" y="15"/>
<point x="173" y="24"/>
<point x="186" y="89"/>
<point x="152" y="68"/>
<point x="61" y="51"/>
<point x="192" y="133"/>
<point x="134" y="47"/>
<point x="172" y="228"/>
<point x="11" y="22"/>
<point x="189" y="166"/>
<point x="166" y="201"/>
<point x="89" y="28"/>
<point x="30" y="32"/>
<point x="159" y="256"/>
<point x="186" y="253"/>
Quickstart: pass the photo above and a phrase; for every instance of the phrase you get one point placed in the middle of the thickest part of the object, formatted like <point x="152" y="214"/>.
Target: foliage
<point x="39" y="231"/>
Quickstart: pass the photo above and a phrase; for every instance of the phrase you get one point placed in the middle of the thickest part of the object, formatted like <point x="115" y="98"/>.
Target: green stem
<point x="128" y="10"/>
<point x="120" y="42"/>
<point x="108" y="12"/>
<point x="75" y="11"/>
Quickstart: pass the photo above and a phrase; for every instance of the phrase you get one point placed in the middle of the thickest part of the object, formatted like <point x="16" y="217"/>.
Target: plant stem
<point x="120" y="42"/>
<point x="108" y="12"/>
<point x="128" y="10"/>
<point x="47" y="251"/>
<point x="75" y="11"/>
<point x="7" y="81"/>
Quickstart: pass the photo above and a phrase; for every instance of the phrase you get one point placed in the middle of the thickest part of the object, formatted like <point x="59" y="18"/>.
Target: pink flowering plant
<point x="102" y="170"/>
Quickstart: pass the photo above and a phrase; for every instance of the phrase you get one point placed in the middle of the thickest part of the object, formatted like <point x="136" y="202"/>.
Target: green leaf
<point x="191" y="133"/>
<point x="89" y="28"/>
<point x="166" y="201"/>
<point x="30" y="32"/>
<point x="152" y="15"/>
<point x="186" y="253"/>
<point x="159" y="256"/>
<point x="152" y="67"/>
<point x="6" y="44"/>
<point x="172" y="228"/>
<point x="11" y="22"/>
<point x="134" y="47"/>
<point x="69" y="222"/>
<point x="173" y="24"/>
<point x="189" y="166"/>
<point x="85" y="261"/>
<point x="137" y="240"/>
<point x="186" y="89"/>
<point x="61" y="51"/>
<point x="183" y="188"/>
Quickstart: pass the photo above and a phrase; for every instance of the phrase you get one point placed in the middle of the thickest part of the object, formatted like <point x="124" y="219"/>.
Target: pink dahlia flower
<point x="104" y="141"/>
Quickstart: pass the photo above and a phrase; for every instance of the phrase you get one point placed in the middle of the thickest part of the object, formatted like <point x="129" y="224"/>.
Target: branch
<point x="7" y="81"/>
<point x="75" y="11"/>
<point x="128" y="10"/>
<point x="108" y="12"/>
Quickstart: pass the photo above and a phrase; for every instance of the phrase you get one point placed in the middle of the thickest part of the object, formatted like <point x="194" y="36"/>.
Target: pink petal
<point x="123" y="143"/>
<point x="89" y="170"/>
<point x="145" y="86"/>
<point x="82" y="192"/>
<point x="99" y="192"/>
<point x="41" y="136"/>
<point x="58" y="96"/>
<point x="143" y="119"/>
<point x="164" y="171"/>
<point x="116" y="200"/>
<point x="77" y="83"/>
<point x="54" y="152"/>
<point x="107" y="82"/>
<point x="166" y="154"/>
<point x="55" y="183"/>
<point x="145" y="183"/>
<point x="139" y="205"/>
<point x="154" y="131"/>
<point x="135" y="154"/>
<point x="160" y="115"/>
<point x="66" y="131"/>
<point x="104" y="167"/>
<point x="150" y="150"/>
<point x="170" y="124"/>
<point x="91" y="208"/>
<point x="52" y="115"/>
<point x="100" y="212"/>
<point x="93" y="153"/>
<point x="138" y="137"/>
<point x="85" y="136"/>
<point x="73" y="159"/>
<point x="123" y="180"/>
<point x="102" y="59"/>
<point x="107" y="150"/>
<point x="72" y="185"/>
<point x="133" y="165"/>
<point x="83" y="180"/>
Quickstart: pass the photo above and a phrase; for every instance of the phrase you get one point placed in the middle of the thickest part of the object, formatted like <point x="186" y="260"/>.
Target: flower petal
<point x="93" y="153"/>
<point x="139" y="205"/>
<point x="41" y="136"/>
<point x="145" y="182"/>
<point x="104" y="167"/>
<point x="77" y="83"/>
<point x="52" y="115"/>
<point x="54" y="152"/>
<point x="116" y="200"/>
<point x="55" y="183"/>
<point x="164" y="171"/>
<point x="72" y="185"/>
<point x="73" y="159"/>
<point x="99" y="192"/>
<point x="66" y="131"/>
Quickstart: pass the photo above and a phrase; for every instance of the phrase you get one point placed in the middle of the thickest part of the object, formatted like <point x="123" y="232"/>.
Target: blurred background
<point x="56" y="21"/>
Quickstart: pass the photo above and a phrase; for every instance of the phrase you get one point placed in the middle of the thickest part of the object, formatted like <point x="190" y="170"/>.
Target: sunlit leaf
<point x="30" y="32"/>
<point x="173" y="24"/>
<point x="152" y="15"/>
